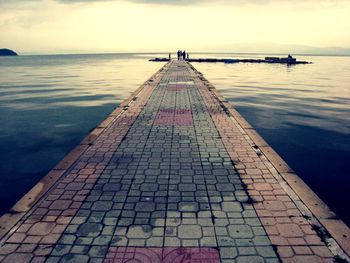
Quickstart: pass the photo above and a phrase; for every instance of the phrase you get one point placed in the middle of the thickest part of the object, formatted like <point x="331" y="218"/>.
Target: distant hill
<point x="7" y="52"/>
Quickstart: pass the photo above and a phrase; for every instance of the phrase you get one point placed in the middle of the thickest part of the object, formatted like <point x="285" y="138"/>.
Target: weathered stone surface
<point x="89" y="230"/>
<point x="41" y="229"/>
<point x="190" y="231"/>
<point x="240" y="231"/>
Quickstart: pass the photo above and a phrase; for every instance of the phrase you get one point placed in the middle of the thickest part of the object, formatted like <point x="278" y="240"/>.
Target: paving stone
<point x="89" y="230"/>
<point x="249" y="259"/>
<point x="67" y="239"/>
<point x="138" y="232"/>
<point x="98" y="251"/>
<point x="111" y="187"/>
<point x="240" y="231"/>
<point x="290" y="230"/>
<point x="74" y="186"/>
<point x="79" y="249"/>
<point x="102" y="206"/>
<point x="246" y="251"/>
<point x="231" y="207"/>
<point x="41" y="229"/>
<point x="61" y="204"/>
<point x="187" y="187"/>
<point x="61" y="250"/>
<point x="228" y="252"/>
<point x="53" y="260"/>
<point x="145" y="207"/>
<point x="190" y="231"/>
<point x="188" y="206"/>
<point x="18" y="257"/>
<point x="74" y="258"/>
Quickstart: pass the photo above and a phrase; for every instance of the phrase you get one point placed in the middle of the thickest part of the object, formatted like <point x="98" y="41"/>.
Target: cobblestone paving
<point x="159" y="185"/>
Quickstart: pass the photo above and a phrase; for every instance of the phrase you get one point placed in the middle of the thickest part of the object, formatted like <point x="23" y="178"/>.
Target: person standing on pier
<point x="184" y="55"/>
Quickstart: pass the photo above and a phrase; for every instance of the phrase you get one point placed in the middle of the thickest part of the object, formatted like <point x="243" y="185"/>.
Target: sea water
<point x="48" y="104"/>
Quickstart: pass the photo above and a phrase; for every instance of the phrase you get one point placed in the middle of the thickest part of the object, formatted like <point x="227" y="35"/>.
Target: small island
<point x="7" y="52"/>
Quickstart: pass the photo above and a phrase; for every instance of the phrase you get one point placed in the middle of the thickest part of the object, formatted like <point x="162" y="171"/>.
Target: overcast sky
<point x="160" y="25"/>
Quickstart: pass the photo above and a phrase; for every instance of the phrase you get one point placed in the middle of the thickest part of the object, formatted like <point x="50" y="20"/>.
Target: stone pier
<point x="173" y="175"/>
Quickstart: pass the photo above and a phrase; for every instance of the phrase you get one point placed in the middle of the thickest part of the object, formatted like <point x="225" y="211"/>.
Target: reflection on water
<point x="302" y="111"/>
<point x="49" y="103"/>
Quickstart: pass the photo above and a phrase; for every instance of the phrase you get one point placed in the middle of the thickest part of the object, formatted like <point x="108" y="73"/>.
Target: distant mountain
<point x="7" y="52"/>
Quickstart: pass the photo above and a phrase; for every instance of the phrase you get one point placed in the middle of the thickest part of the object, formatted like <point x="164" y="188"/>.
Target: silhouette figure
<point x="179" y="55"/>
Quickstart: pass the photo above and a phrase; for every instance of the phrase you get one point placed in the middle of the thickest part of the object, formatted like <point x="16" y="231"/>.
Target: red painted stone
<point x="162" y="255"/>
<point x="177" y="117"/>
<point x="190" y="255"/>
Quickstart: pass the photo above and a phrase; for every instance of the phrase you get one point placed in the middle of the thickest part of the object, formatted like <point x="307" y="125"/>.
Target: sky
<point x="66" y="26"/>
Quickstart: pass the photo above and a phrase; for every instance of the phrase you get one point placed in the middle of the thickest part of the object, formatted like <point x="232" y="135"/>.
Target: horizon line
<point x="29" y="53"/>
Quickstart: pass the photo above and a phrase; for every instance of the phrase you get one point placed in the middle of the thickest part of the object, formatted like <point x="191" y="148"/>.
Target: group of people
<point x="182" y="55"/>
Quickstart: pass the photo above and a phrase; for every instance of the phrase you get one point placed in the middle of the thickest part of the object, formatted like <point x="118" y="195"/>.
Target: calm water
<point x="49" y="103"/>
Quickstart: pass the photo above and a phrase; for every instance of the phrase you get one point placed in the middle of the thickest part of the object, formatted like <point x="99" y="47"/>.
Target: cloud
<point x="160" y="2"/>
<point x="157" y="2"/>
<point x="191" y="2"/>
<point x="146" y="25"/>
<point x="303" y="4"/>
<point x="181" y="2"/>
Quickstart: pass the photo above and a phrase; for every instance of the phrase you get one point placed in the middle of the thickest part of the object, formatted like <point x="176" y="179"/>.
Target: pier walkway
<point x="174" y="174"/>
